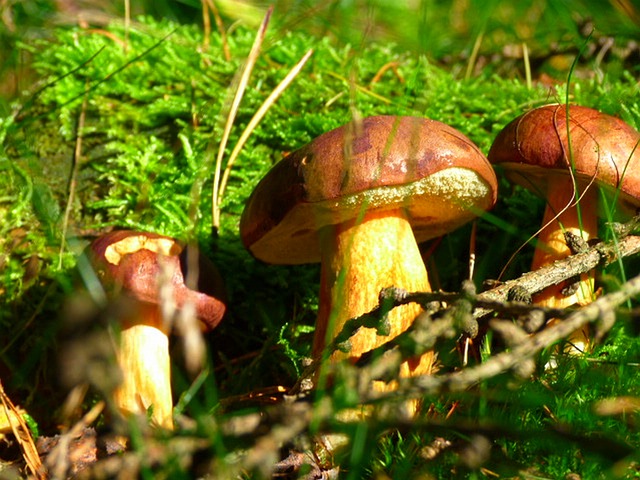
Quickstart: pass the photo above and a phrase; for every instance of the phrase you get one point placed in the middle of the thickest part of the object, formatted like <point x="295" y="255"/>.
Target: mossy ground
<point x="153" y="100"/>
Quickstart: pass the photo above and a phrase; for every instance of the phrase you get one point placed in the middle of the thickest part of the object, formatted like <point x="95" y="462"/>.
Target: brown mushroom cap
<point x="132" y="262"/>
<point x="536" y="144"/>
<point x="432" y="171"/>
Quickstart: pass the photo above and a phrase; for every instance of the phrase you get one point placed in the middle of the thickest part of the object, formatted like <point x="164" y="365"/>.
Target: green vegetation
<point x="121" y="129"/>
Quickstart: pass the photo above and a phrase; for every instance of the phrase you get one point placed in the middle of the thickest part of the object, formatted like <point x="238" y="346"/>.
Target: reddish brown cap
<point x="436" y="174"/>
<point x="132" y="262"/>
<point x="537" y="143"/>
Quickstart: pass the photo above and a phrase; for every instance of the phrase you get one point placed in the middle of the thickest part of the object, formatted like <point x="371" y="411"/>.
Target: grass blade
<point x="257" y="117"/>
<point x="242" y="85"/>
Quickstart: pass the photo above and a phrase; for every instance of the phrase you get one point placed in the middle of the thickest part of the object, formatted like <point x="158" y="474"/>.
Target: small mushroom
<point x="545" y="151"/>
<point x="150" y="269"/>
<point x="358" y="199"/>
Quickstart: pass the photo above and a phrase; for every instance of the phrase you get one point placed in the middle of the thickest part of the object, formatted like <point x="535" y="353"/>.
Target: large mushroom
<point x="150" y="270"/>
<point x="359" y="199"/>
<point x="564" y="153"/>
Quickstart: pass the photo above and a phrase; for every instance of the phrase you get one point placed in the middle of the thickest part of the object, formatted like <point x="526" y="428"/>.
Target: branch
<point x="602" y="310"/>
<point x="602" y="254"/>
<point x="423" y="334"/>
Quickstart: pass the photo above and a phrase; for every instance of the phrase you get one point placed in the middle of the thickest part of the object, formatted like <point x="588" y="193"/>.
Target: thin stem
<point x="257" y="117"/>
<point x="233" y="110"/>
<point x="73" y="180"/>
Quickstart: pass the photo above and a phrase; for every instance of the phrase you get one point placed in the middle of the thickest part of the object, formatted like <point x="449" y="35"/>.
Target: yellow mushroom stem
<point x="360" y="258"/>
<point x="143" y="356"/>
<point x="552" y="246"/>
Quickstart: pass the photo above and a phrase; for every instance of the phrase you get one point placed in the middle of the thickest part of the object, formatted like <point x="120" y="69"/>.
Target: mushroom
<point x="150" y="270"/>
<point x="358" y="199"/>
<point x="545" y="152"/>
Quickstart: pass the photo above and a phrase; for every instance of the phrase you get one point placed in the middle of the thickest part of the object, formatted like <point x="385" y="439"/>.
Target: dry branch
<point x="601" y="254"/>
<point x="602" y="311"/>
<point x="466" y="307"/>
<point x="300" y="422"/>
<point x="495" y="300"/>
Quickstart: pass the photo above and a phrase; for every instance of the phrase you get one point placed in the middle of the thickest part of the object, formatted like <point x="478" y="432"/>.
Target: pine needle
<point x="23" y="436"/>
<point x="257" y="117"/>
<point x="242" y="85"/>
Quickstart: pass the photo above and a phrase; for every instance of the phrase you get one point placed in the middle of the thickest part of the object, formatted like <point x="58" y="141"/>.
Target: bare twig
<point x="601" y="254"/>
<point x="423" y="334"/>
<point x="602" y="311"/>
<point x="298" y="421"/>
<point x="604" y="253"/>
